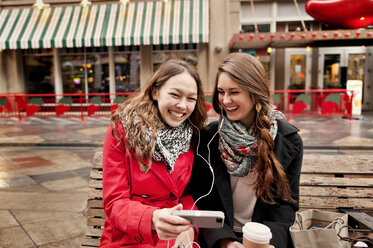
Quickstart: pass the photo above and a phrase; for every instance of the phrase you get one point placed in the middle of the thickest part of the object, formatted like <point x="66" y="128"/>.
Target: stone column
<point x="146" y="66"/>
<point x="58" y="84"/>
<point x="203" y="63"/>
<point x="111" y="74"/>
<point x="13" y="70"/>
<point x="224" y="22"/>
<point x="3" y="79"/>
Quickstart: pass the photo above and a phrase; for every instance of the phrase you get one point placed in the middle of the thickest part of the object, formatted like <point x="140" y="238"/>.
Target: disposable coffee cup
<point x="256" y="235"/>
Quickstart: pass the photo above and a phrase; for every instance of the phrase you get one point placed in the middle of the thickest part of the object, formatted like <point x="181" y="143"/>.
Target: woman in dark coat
<point x="251" y="155"/>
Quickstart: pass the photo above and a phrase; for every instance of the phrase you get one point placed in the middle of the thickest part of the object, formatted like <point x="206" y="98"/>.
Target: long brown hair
<point x="250" y="74"/>
<point x="141" y="112"/>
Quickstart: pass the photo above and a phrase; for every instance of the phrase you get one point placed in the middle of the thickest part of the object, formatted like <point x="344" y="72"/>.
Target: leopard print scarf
<point x="169" y="144"/>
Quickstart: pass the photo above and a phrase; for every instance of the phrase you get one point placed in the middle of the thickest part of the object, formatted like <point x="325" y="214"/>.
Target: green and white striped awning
<point x="139" y="23"/>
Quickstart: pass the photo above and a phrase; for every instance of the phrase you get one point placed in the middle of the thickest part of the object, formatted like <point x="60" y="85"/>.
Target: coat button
<point x="138" y="239"/>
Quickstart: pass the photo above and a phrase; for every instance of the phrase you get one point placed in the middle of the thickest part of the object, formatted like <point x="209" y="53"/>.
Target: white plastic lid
<point x="257" y="233"/>
<point x="360" y="244"/>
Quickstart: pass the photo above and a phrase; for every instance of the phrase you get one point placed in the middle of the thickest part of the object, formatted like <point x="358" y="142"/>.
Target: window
<point x="356" y="65"/>
<point x="249" y="28"/>
<point x="84" y="70"/>
<point x="298" y="71"/>
<point x="127" y="72"/>
<point x="73" y="73"/>
<point x="187" y="52"/>
<point x="297" y="26"/>
<point x="38" y="71"/>
<point x="331" y="71"/>
<point x="264" y="57"/>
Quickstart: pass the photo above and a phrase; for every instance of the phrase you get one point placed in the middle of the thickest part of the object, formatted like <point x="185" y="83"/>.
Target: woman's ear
<point x="154" y="94"/>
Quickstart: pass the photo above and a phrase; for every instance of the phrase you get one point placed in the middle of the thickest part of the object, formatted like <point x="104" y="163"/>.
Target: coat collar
<point x="286" y="128"/>
<point x="285" y="151"/>
<point x="159" y="169"/>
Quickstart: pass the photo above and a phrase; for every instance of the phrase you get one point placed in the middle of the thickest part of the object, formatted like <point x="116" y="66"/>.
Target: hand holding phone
<point x="202" y="218"/>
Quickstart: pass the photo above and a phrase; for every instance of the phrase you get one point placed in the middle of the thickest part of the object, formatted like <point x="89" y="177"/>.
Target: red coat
<point x="131" y="196"/>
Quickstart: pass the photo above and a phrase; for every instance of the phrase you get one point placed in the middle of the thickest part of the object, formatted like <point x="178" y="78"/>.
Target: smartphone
<point x="202" y="218"/>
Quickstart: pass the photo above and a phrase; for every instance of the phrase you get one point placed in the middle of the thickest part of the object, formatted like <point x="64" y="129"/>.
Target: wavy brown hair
<point x="250" y="74"/>
<point x="140" y="112"/>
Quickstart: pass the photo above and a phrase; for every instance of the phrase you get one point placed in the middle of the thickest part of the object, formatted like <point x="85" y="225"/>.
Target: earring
<point x="258" y="107"/>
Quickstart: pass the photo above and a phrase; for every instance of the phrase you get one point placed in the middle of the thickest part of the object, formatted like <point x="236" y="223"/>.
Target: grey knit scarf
<point x="238" y="144"/>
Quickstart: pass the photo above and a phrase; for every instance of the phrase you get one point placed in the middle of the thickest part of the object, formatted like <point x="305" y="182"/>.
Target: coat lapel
<point x="285" y="151"/>
<point x="160" y="171"/>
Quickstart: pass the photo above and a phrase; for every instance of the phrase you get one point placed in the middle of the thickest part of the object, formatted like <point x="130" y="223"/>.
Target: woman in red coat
<point x="148" y="157"/>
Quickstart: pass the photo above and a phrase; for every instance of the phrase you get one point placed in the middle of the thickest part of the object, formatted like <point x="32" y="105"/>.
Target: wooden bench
<point x="328" y="182"/>
<point x="95" y="212"/>
<point x="341" y="183"/>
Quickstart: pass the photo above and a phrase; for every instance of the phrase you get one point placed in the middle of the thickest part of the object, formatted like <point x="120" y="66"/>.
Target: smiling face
<point x="176" y="98"/>
<point x="235" y="100"/>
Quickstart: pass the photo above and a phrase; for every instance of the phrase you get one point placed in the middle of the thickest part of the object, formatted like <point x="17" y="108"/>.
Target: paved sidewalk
<point x="43" y="195"/>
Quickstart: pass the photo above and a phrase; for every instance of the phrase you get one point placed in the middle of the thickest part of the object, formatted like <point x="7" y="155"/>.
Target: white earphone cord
<point x="190" y="243"/>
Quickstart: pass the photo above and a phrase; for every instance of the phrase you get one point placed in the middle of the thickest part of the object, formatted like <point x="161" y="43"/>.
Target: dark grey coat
<point x="278" y="217"/>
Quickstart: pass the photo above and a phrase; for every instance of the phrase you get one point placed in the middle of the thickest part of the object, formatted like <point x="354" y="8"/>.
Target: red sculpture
<point x="342" y="13"/>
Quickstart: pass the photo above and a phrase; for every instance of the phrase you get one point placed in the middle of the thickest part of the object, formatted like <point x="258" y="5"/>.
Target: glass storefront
<point x="127" y="72"/>
<point x="187" y="52"/>
<point x="84" y="71"/>
<point x="97" y="71"/>
<point x="297" y="71"/>
<point x="87" y="70"/>
<point x="38" y="71"/>
<point x="73" y="73"/>
<point x="332" y="71"/>
<point x="356" y="65"/>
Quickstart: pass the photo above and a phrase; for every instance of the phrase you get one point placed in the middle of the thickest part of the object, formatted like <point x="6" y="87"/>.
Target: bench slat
<point x="89" y="242"/>
<point x="312" y="180"/>
<point x="97" y="184"/>
<point x="336" y="192"/>
<point x="335" y="164"/>
<point x="95" y="174"/>
<point x="96" y="212"/>
<point x="93" y="232"/>
<point x="95" y="193"/>
<point x="95" y="221"/>
<point x="329" y="202"/>
<point x="95" y="203"/>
